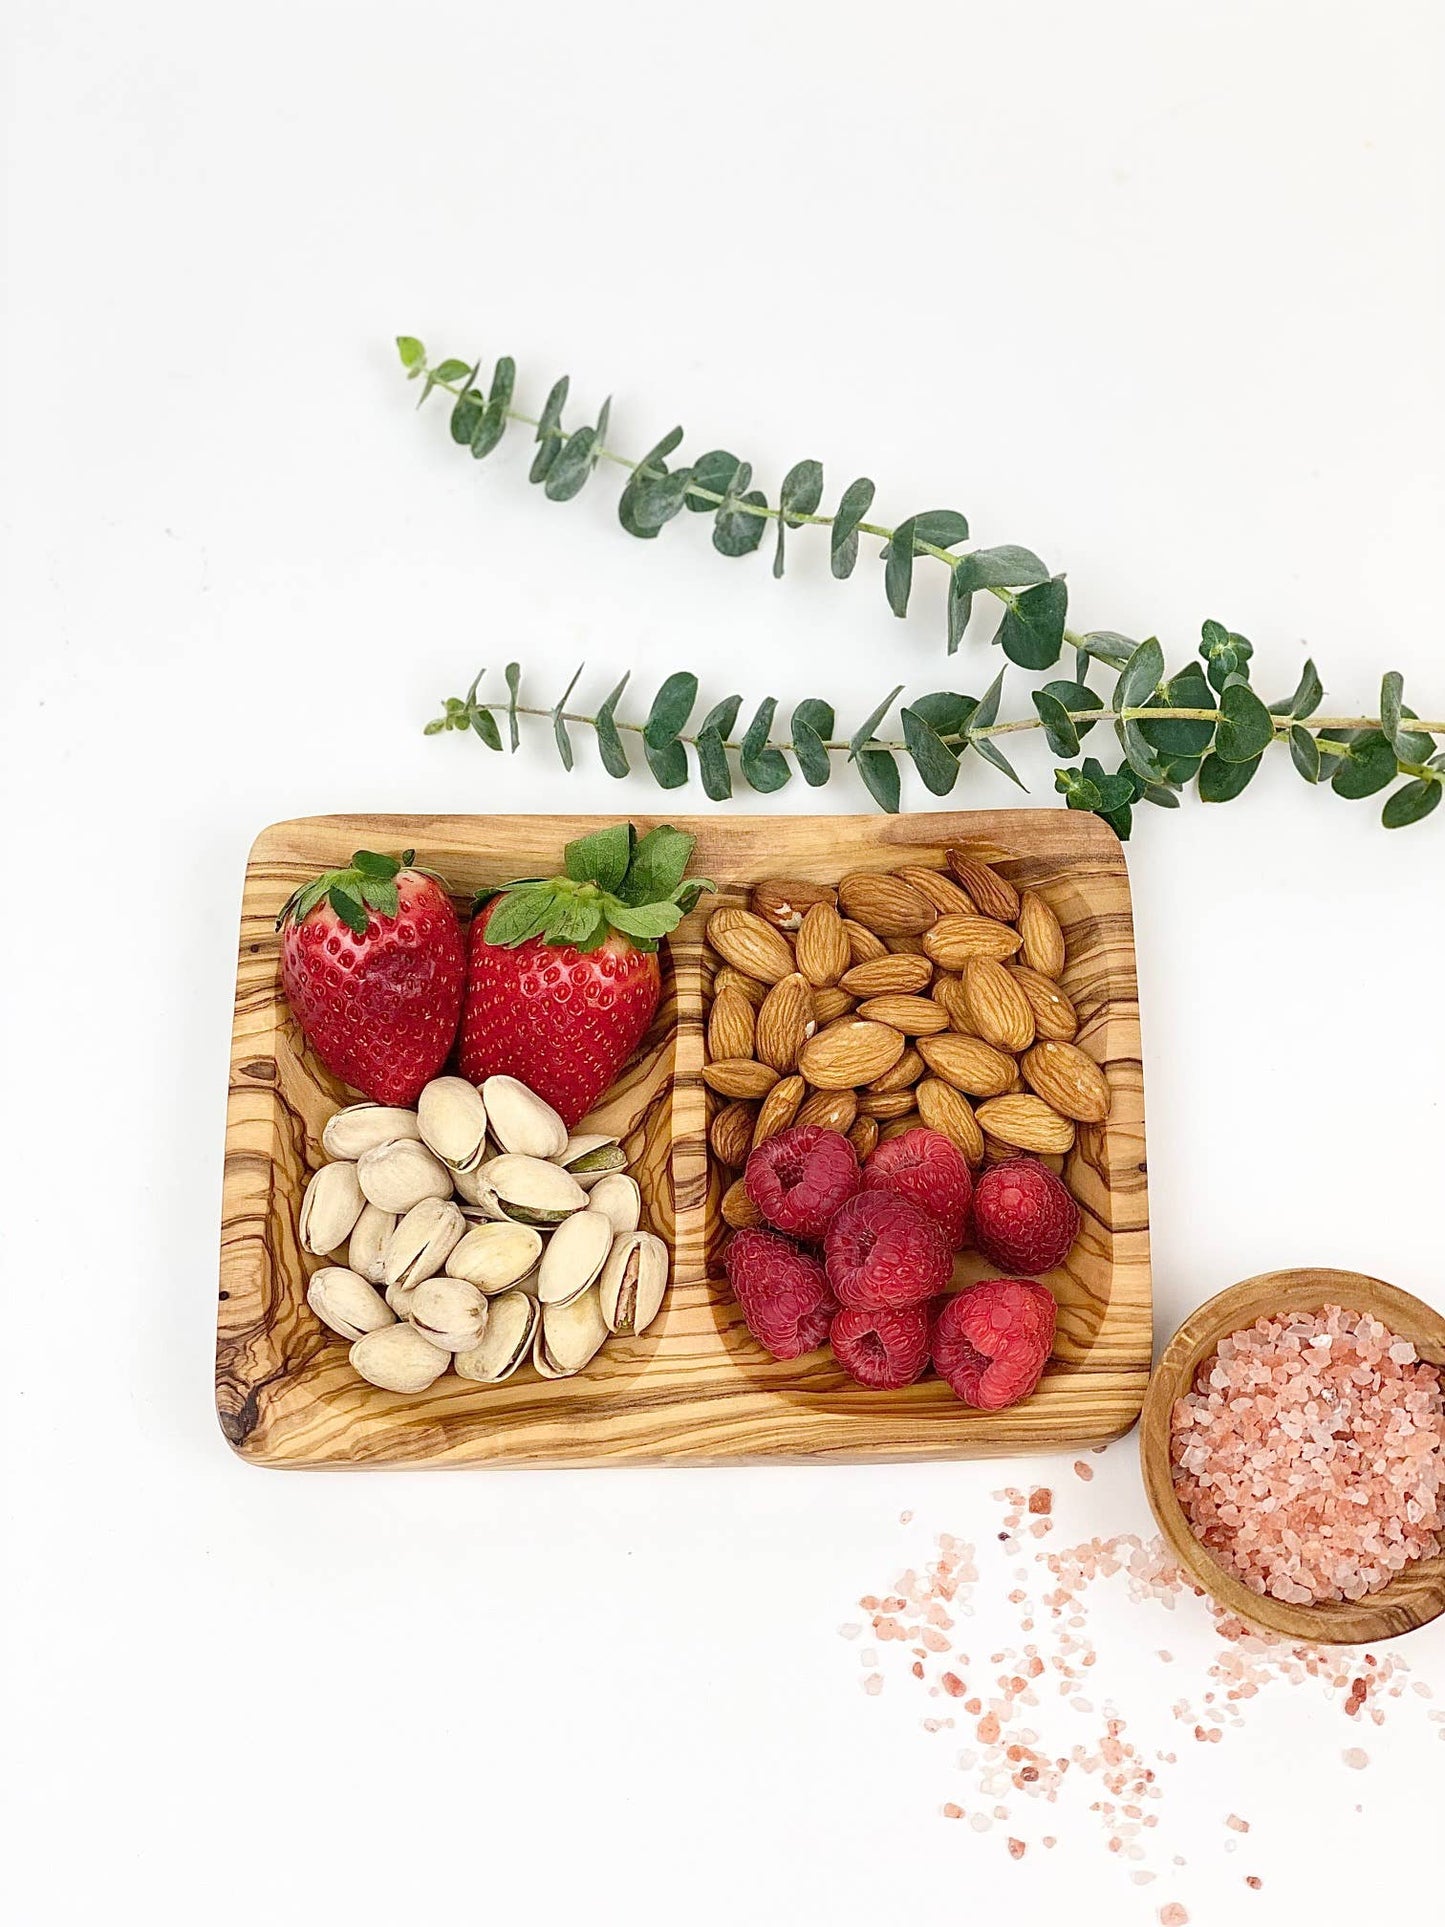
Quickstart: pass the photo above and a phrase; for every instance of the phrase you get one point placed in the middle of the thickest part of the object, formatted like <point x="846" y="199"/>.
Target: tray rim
<point x="887" y="838"/>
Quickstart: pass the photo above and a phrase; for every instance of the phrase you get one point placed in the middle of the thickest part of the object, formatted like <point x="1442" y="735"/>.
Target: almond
<point x="968" y="1064"/>
<point x="738" y="1209"/>
<point x="785" y="1023"/>
<point x="779" y="1108"/>
<point x="749" y="944"/>
<point x="785" y="901"/>
<point x="904" y="946"/>
<point x="1054" y="1015"/>
<point x="993" y="895"/>
<point x="730" y="1026"/>
<point x="944" y="1109"/>
<point x="739" y="1077"/>
<point x="997" y="1009"/>
<point x="914" y="1016"/>
<point x="953" y="940"/>
<point x="906" y="1072"/>
<point x="883" y="975"/>
<point x="948" y="992"/>
<point x="1026" y="1122"/>
<point x="1069" y="1080"/>
<point x="895" y="1127"/>
<point x="995" y="1151"/>
<point x="885" y="904"/>
<point x="830" y="1005"/>
<point x="863" y="1136"/>
<point x="862" y="944"/>
<point x="942" y="892"/>
<point x="731" y="1136"/>
<point x="1043" y="945"/>
<point x="830" y="1110"/>
<point x="822" y="946"/>
<point x="726" y="978"/>
<point x="849" y="1053"/>
<point x="885" y="1104"/>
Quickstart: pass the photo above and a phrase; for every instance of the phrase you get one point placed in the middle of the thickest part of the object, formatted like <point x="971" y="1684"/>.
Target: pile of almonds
<point x="903" y="997"/>
<point x="477" y="1233"/>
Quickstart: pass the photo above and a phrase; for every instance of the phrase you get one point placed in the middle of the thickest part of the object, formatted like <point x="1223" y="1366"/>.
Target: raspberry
<point x="800" y="1177"/>
<point x="928" y="1169"/>
<point x="1024" y="1219"/>
<point x="783" y="1292"/>
<point x="992" y="1341"/>
<point x="882" y="1250"/>
<point x="883" y="1349"/>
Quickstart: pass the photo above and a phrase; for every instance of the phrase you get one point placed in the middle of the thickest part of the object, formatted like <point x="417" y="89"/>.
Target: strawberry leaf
<point x="521" y="915"/>
<point x="369" y="864"/>
<point x="380" y="896"/>
<point x="645" y="920"/>
<point x="575" y="920"/>
<point x="659" y="864"/>
<point x="601" y="858"/>
<point x="347" y="904"/>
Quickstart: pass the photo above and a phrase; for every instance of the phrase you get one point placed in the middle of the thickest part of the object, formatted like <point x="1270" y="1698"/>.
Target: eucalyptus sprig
<point x="1203" y="724"/>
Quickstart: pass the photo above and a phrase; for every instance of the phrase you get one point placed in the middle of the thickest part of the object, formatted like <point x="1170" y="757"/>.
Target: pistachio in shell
<point x="633" y="1282"/>
<point x="453" y="1122"/>
<point x="569" y="1336"/>
<point x="422" y="1241"/>
<point x="619" y="1198"/>
<point x="359" y="1128"/>
<point x="512" y="1320"/>
<point x="400" y="1174"/>
<point x="574" y="1257"/>
<point x="589" y="1156"/>
<point x="521" y="1122"/>
<point x="330" y="1208"/>
<point x="528" y="1190"/>
<point x="448" y="1312"/>
<point x="344" y="1301"/>
<point x="368" y="1240"/>
<point x="495" y="1255"/>
<point x="398" y="1359"/>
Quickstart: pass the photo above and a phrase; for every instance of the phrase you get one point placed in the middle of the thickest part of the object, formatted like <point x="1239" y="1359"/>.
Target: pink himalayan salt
<point x="1310" y="1456"/>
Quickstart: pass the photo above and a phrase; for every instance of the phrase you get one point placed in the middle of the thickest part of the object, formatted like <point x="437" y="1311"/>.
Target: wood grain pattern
<point x="1414" y="1597"/>
<point x="695" y="1388"/>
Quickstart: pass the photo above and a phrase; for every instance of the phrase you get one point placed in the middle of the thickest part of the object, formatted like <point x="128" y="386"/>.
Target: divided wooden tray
<point x="695" y="1388"/>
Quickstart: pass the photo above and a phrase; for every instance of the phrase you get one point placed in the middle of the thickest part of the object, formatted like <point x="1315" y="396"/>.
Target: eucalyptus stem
<point x="1201" y="724"/>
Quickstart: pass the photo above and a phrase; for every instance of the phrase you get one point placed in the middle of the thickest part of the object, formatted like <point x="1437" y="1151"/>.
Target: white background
<point x="1154" y="288"/>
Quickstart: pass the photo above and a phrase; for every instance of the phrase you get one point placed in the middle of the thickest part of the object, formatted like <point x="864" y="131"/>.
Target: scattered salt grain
<point x="1356" y="1757"/>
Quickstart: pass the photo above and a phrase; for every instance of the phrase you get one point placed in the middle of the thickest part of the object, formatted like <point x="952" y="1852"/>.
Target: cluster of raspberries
<point x="861" y="1257"/>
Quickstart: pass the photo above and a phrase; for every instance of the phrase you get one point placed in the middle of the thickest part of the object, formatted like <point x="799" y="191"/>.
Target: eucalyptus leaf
<point x="413" y="355"/>
<point x="1220" y="781"/>
<point x="1059" y="731"/>
<point x="945" y="711"/>
<point x="467" y="412"/>
<point x="671" y="707"/>
<point x="514" y="684"/>
<point x="812" y="728"/>
<point x="960" y="608"/>
<point x="1392" y="695"/>
<point x="1075" y="696"/>
<point x="856" y="502"/>
<point x="1304" y="753"/>
<point x="559" y="721"/>
<point x="1370" y="765"/>
<point x="801" y="492"/>
<point x="865" y="731"/>
<point x="763" y="766"/>
<point x="935" y="762"/>
<point x="575" y="461"/>
<point x="652" y="468"/>
<point x="898" y="568"/>
<point x="716" y="472"/>
<point x="668" y="763"/>
<point x="1188" y="690"/>
<point x="1309" y="694"/>
<point x="1032" y="630"/>
<point x="737" y="528"/>
<point x="1140" y="677"/>
<point x="1410" y="803"/>
<point x="722" y="716"/>
<point x="609" y="742"/>
<point x="485" y="725"/>
<point x="549" y="423"/>
<point x="879" y="770"/>
<point x="1246" y="728"/>
<point x="712" y="765"/>
<point x="493" y="424"/>
<point x="1003" y="568"/>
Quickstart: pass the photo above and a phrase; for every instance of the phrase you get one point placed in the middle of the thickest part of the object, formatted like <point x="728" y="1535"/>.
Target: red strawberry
<point x="372" y="965"/>
<point x="563" y="977"/>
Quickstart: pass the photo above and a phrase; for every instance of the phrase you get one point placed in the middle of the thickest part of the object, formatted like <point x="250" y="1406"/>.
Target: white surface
<point x="1154" y="288"/>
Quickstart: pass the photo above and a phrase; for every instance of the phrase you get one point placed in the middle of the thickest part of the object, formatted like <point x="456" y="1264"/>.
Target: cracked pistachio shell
<point x="422" y="1241"/>
<point x="399" y="1297"/>
<point x="633" y="1282"/>
<point x="345" y="1302"/>
<point x="453" y="1122"/>
<point x="495" y="1256"/>
<point x="398" y="1359"/>
<point x="569" y="1336"/>
<point x="330" y="1208"/>
<point x="368" y="1238"/>
<point x="448" y="1312"/>
<point x="400" y="1174"/>
<point x="522" y="1122"/>
<point x="589" y="1156"/>
<point x="574" y="1257"/>
<point x="529" y="1190"/>
<point x="361" y="1127"/>
<point x="617" y="1196"/>
<point x="512" y="1320"/>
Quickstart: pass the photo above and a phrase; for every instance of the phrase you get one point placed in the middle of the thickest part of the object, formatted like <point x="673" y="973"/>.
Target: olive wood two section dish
<point x="695" y="1388"/>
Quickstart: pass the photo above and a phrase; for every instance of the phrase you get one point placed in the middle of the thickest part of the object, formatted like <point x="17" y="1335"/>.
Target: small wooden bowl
<point x="1414" y="1597"/>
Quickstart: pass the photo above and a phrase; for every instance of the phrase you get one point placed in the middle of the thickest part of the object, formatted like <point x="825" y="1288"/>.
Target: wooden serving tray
<point x="695" y="1388"/>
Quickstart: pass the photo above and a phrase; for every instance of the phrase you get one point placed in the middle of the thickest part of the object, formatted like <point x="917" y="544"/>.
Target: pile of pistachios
<point x="478" y="1232"/>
